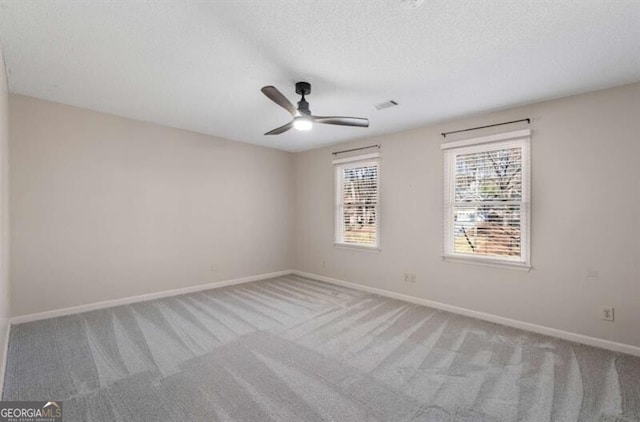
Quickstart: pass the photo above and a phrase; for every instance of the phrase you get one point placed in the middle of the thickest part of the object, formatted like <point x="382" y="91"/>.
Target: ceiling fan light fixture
<point x="302" y="123"/>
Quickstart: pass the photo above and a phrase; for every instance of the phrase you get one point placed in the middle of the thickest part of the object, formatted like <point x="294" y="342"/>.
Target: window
<point x="357" y="201"/>
<point x="486" y="211"/>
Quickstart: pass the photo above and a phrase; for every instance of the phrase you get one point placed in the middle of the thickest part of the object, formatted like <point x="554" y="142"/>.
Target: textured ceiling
<point x="200" y="65"/>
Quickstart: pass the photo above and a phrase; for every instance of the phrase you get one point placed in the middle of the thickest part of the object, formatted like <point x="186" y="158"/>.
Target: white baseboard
<point x="5" y="353"/>
<point x="540" y="329"/>
<point x="142" y="298"/>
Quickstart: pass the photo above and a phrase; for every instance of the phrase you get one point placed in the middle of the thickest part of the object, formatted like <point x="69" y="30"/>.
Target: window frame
<point x="520" y="139"/>
<point x="339" y="165"/>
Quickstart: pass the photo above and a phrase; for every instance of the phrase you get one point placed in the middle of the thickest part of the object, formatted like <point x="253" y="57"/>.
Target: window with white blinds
<point x="487" y="199"/>
<point x="357" y="180"/>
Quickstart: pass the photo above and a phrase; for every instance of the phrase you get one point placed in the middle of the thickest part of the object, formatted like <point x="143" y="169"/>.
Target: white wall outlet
<point x="606" y="313"/>
<point x="409" y="277"/>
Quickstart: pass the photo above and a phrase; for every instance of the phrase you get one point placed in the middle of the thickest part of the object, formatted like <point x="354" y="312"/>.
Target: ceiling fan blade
<point x="281" y="129"/>
<point x="342" y="121"/>
<point x="277" y="97"/>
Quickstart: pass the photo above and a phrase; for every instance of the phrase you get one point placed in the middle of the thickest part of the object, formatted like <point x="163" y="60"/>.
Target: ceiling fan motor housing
<point x="303" y="107"/>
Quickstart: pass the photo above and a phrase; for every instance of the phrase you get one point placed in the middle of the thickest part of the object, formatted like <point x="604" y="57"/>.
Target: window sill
<point x="487" y="262"/>
<point x="375" y="249"/>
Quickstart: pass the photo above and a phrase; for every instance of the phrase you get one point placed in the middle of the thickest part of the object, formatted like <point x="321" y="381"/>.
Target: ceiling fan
<point x="302" y="117"/>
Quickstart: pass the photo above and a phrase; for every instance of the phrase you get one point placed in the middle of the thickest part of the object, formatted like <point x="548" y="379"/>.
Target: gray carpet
<point x="294" y="349"/>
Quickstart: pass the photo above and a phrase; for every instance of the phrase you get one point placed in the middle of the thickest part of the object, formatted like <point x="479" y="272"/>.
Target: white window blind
<point x="486" y="200"/>
<point x="357" y="193"/>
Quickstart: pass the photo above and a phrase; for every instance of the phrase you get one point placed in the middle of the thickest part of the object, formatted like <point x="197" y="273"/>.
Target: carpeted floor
<point x="294" y="349"/>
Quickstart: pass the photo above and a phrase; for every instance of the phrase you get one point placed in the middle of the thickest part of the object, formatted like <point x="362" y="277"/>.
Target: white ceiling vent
<point x="386" y="104"/>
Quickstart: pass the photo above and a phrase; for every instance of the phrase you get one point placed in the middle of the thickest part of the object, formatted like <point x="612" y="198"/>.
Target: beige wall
<point x="4" y="210"/>
<point x="105" y="207"/>
<point x="585" y="217"/>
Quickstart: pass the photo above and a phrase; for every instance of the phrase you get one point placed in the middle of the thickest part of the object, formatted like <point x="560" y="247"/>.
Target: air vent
<point x="386" y="104"/>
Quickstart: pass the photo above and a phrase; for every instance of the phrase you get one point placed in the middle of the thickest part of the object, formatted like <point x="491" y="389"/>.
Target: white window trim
<point x="339" y="165"/>
<point x="357" y="247"/>
<point x="520" y="138"/>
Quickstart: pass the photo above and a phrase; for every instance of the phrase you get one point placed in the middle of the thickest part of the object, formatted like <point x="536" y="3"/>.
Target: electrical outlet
<point x="606" y="313"/>
<point x="410" y="277"/>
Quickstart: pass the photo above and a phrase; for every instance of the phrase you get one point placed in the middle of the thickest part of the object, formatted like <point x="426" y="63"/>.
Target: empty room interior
<point x="395" y="210"/>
